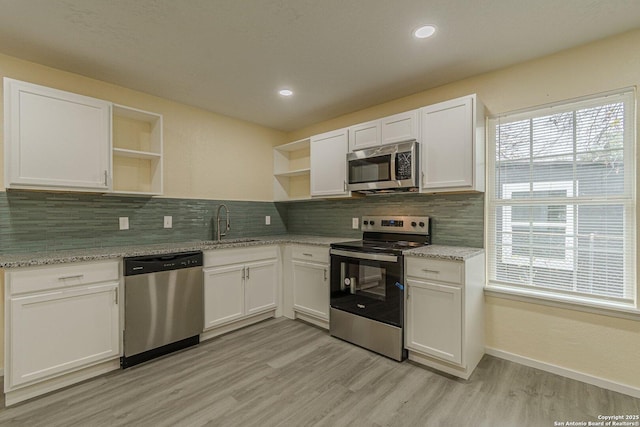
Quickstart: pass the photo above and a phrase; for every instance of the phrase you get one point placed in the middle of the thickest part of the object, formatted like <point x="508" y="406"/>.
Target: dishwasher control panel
<point x="165" y="262"/>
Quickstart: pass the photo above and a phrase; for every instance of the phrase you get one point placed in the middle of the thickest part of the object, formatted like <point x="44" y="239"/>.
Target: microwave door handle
<point x="392" y="175"/>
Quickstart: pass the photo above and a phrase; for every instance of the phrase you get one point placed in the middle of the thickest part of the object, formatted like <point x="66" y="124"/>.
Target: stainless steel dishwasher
<point x="163" y="306"/>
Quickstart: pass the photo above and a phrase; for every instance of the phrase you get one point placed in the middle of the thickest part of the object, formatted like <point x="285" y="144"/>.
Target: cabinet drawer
<point x="218" y="257"/>
<point x="34" y="279"/>
<point x="442" y="271"/>
<point x="310" y="253"/>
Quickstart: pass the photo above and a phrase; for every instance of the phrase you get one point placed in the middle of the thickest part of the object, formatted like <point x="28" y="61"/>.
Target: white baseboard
<point x="569" y="373"/>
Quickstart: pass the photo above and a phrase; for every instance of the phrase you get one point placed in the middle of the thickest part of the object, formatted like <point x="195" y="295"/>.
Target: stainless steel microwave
<point x="387" y="168"/>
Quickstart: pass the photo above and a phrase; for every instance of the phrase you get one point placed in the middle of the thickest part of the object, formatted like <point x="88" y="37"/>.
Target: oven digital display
<point x="392" y="223"/>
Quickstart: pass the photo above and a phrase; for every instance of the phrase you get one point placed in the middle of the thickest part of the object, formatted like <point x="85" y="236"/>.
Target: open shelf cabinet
<point x="137" y="151"/>
<point x="291" y="171"/>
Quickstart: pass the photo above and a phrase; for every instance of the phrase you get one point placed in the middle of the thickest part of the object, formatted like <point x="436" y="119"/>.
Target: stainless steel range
<point x="367" y="283"/>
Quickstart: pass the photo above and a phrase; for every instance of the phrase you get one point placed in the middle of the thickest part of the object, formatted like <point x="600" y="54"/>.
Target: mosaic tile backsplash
<point x="456" y="219"/>
<point x="33" y="221"/>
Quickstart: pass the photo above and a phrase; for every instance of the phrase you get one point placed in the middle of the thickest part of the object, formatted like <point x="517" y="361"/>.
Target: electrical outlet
<point x="355" y="223"/>
<point x="168" y="221"/>
<point x="267" y="220"/>
<point x="124" y="222"/>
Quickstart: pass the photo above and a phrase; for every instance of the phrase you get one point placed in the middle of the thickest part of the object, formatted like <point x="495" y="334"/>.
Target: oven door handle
<point x="364" y="255"/>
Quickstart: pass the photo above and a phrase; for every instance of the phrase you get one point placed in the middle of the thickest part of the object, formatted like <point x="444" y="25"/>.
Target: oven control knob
<point x="413" y="223"/>
<point x="421" y="224"/>
<point x="372" y="222"/>
<point x="365" y="222"/>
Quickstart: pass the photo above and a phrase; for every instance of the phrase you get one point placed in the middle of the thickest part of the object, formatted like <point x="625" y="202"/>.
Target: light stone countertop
<point x="58" y="257"/>
<point x="456" y="253"/>
<point x="452" y="253"/>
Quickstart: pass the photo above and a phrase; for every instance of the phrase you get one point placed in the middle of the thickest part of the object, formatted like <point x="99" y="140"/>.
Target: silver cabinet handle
<point x="306" y="254"/>
<point x="116" y="295"/>
<point x="426" y="270"/>
<point x="345" y="185"/>
<point x="244" y="269"/>
<point x="106" y="183"/>
<point x="247" y="273"/>
<point x="74" y="276"/>
<point x="325" y="274"/>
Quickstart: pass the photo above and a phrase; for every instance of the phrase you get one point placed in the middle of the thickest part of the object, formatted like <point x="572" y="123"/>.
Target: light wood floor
<point x="287" y="373"/>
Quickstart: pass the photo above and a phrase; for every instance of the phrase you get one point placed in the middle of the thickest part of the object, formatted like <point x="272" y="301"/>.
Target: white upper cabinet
<point x="400" y="127"/>
<point x="452" y="146"/>
<point x="55" y="139"/>
<point x="397" y="128"/>
<point x="364" y="135"/>
<point x="329" y="164"/>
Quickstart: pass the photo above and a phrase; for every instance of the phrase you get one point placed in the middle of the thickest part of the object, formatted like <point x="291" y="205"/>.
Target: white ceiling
<point x="339" y="56"/>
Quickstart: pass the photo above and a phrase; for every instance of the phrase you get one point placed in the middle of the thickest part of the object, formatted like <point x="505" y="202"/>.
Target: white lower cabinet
<point x="239" y="284"/>
<point x="311" y="288"/>
<point x="438" y="311"/>
<point x="306" y="284"/>
<point x="261" y="286"/>
<point x="60" y="320"/>
<point x="444" y="317"/>
<point x="223" y="294"/>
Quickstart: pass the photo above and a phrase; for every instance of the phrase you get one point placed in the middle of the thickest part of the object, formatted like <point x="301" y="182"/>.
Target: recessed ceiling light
<point x="424" y="32"/>
<point x="285" y="92"/>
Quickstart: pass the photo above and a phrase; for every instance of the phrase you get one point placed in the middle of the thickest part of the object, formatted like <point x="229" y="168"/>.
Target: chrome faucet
<point x="227" y="225"/>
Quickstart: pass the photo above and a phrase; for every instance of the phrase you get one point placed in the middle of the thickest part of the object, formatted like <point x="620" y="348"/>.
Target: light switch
<point x="124" y="223"/>
<point x="267" y="220"/>
<point x="168" y="221"/>
<point x="355" y="223"/>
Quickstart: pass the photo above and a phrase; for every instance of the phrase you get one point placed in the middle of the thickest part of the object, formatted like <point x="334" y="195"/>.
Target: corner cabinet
<point x="291" y="171"/>
<point x="62" y="326"/>
<point x="240" y="287"/>
<point x="55" y="140"/>
<point x="329" y="164"/>
<point x="444" y="317"/>
<point x="452" y="146"/>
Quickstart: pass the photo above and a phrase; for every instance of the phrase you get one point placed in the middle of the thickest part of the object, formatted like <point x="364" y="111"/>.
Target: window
<point x="561" y="201"/>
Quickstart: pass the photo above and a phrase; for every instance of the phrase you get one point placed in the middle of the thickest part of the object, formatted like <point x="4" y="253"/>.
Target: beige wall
<point x="202" y="149"/>
<point x="593" y="344"/>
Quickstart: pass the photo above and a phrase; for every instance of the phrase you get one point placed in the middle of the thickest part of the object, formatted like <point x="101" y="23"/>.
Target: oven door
<point x="368" y="284"/>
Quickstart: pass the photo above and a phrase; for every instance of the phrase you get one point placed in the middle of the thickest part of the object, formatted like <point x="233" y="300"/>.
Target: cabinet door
<point x="223" y="294"/>
<point x="434" y="320"/>
<point x="261" y="286"/>
<point x="56" y="139"/>
<point x="59" y="331"/>
<point x="329" y="164"/>
<point x="311" y="288"/>
<point x="400" y="127"/>
<point x="364" y="135"/>
<point x="447" y="144"/>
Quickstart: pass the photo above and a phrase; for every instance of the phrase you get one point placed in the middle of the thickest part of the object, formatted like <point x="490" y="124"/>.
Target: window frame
<point x="627" y="200"/>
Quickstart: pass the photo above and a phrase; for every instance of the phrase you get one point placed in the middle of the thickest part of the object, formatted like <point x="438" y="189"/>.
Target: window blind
<point x="561" y="200"/>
